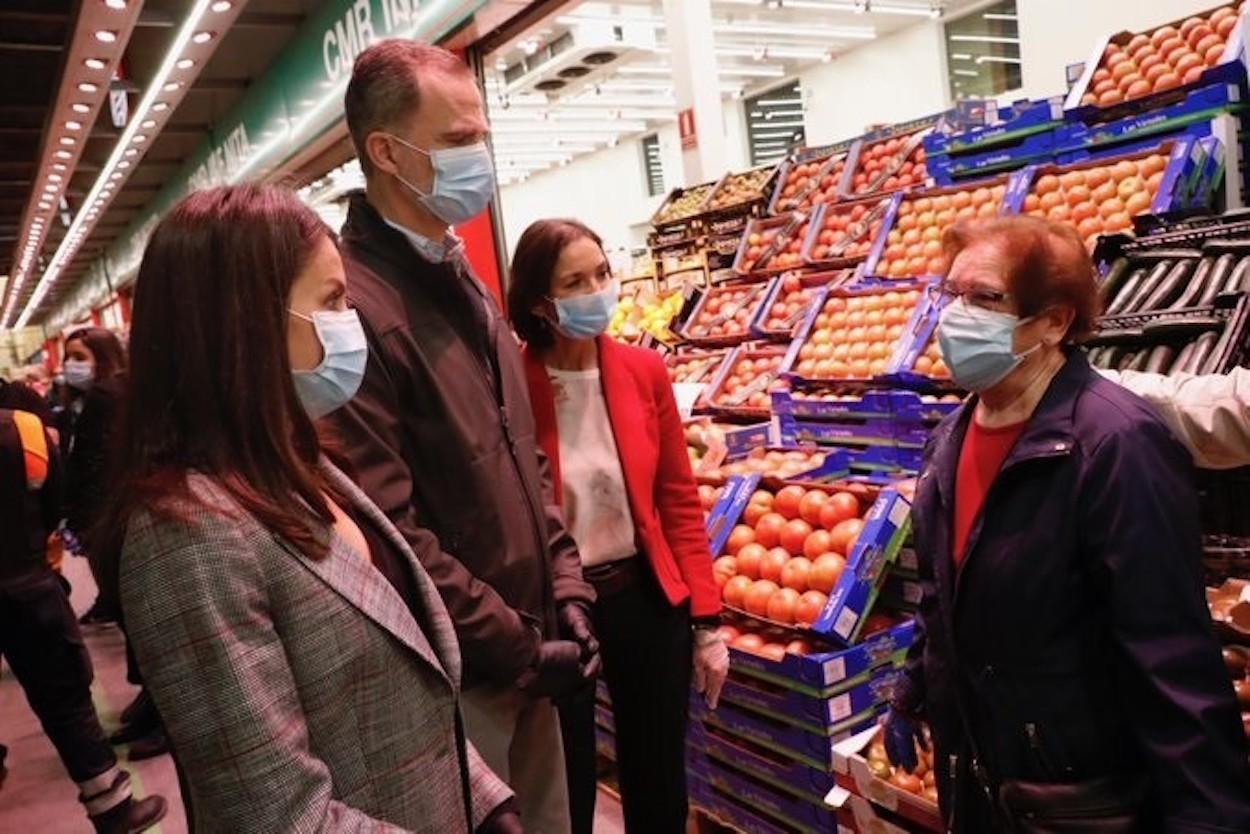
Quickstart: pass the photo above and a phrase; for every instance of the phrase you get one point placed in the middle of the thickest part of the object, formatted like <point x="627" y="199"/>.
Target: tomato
<point x="736" y="590"/>
<point x="741" y="536"/>
<point x="750" y="559"/>
<point x="794" y="534"/>
<point x="753" y="513"/>
<point x="757" y="597"/>
<point x="811" y="604"/>
<point x="809" y="506"/>
<point x="787" y="501"/>
<point x="768" y="529"/>
<point x="707" y="496"/>
<point x="773" y="651"/>
<point x="748" y="642"/>
<point x="728" y="633"/>
<point x="795" y="573"/>
<point x="825" y="573"/>
<point x="908" y="782"/>
<point x="817" y="544"/>
<point x="877" y="621"/>
<point x="799" y="647"/>
<point x="724" y="569"/>
<point x="772" y="564"/>
<point x="781" y="605"/>
<point x="842" y="506"/>
<point x="846" y="534"/>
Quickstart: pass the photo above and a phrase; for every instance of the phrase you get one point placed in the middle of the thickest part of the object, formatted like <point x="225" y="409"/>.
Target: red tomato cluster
<point x="788" y="255"/>
<point x="747" y="373"/>
<point x="884" y="158"/>
<point x="749" y="641"/>
<point x="735" y="303"/>
<point x="846" y="232"/>
<point x="799" y="180"/>
<point x="789" y="552"/>
<point x="854" y="336"/>
<point x="1168" y="57"/>
<point x="791" y="300"/>
<point x="1100" y="199"/>
<point x="696" y="367"/>
<point x="774" y="463"/>
<point x="914" y="245"/>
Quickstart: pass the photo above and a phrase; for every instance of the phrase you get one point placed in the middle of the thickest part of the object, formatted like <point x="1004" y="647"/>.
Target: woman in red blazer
<point x="608" y="421"/>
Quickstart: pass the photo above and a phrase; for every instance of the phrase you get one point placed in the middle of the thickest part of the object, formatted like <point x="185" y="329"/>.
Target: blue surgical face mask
<point x="586" y="316"/>
<point x="978" y="345"/>
<point x="464" y="181"/>
<point x="334" y="382"/>
<point x="79" y="374"/>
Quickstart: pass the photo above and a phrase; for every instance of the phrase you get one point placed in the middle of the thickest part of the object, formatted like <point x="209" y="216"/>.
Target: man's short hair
<point x="385" y="88"/>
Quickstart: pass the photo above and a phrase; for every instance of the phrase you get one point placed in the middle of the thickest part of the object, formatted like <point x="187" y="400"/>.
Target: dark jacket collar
<point x="365" y="230"/>
<point x="1049" y="432"/>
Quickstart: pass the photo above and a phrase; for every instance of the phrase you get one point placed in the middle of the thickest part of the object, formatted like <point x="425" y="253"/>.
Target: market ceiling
<point x="72" y="176"/>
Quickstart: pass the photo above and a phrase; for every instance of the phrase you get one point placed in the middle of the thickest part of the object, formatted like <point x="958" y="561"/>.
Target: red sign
<point x="685" y="126"/>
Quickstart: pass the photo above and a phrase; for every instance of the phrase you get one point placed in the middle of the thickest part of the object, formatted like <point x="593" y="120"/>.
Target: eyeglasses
<point x="943" y="294"/>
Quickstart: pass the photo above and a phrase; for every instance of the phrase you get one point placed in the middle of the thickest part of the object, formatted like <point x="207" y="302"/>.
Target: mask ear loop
<point x="418" y="191"/>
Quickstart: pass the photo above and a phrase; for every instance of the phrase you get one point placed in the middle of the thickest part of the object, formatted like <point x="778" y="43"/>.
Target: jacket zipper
<point x="1035" y="742"/>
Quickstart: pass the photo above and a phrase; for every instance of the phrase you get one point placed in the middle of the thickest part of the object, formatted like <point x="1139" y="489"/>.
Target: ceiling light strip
<point x="89" y="58"/>
<point x="196" y="37"/>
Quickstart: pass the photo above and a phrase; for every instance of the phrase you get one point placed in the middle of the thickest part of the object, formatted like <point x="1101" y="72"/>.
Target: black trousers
<point x="646" y="646"/>
<point x="39" y="637"/>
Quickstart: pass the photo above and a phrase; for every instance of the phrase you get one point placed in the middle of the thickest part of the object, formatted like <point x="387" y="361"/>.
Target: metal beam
<point x="219" y="85"/>
<point x="268" y="20"/>
<point x="33" y="17"/>
<point x="25" y="46"/>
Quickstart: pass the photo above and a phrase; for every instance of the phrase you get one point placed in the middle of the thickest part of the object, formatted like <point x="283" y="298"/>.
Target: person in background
<point x="441" y="432"/>
<point x="1066" y="662"/>
<point x="301" y="656"/>
<point x="1209" y="413"/>
<point x="608" y="422"/>
<point x="39" y="636"/>
<point x="95" y="363"/>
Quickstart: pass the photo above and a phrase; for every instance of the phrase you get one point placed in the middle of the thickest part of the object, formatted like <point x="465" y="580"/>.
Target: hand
<point x="502" y="822"/>
<point x="575" y="625"/>
<point x="902" y="734"/>
<point x="557" y="670"/>
<point x="711" y="664"/>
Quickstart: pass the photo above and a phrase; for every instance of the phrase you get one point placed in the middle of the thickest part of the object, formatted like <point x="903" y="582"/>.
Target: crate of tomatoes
<point x="722" y="318"/>
<point x="812" y="178"/>
<point x="852" y="333"/>
<point x="862" y="767"/>
<point x="910" y="244"/>
<point x="892" y="161"/>
<point x="789" y="299"/>
<point x="843" y="234"/>
<point x="812" y="557"/>
<point x="1136" y="71"/>
<point x="771" y="245"/>
<point x="746" y="380"/>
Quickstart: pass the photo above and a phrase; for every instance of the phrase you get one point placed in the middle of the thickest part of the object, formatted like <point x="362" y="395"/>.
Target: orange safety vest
<point x="34" y="448"/>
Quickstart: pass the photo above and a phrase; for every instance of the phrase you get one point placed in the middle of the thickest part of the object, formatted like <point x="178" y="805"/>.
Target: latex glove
<point x="557" y="670"/>
<point x="902" y="734"/>
<point x="575" y="625"/>
<point x="711" y="664"/>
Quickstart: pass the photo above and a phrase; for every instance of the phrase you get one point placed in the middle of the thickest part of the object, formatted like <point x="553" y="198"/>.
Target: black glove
<point x="902" y="734"/>
<point x="575" y="625"/>
<point x="503" y="820"/>
<point x="557" y="670"/>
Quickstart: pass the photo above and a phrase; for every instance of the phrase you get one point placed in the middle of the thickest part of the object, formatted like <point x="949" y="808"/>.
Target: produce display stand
<point x="780" y="324"/>
<point x="822" y="177"/>
<point x="1021" y="134"/>
<point x="842" y="234"/>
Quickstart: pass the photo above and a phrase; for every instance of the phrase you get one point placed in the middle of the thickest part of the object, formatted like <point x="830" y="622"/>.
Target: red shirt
<point x="980" y="461"/>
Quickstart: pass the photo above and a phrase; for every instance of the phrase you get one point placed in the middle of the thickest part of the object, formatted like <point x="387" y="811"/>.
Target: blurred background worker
<point x="39" y="636"/>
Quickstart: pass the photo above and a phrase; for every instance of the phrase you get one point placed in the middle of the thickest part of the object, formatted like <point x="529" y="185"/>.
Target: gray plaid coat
<point x="300" y="695"/>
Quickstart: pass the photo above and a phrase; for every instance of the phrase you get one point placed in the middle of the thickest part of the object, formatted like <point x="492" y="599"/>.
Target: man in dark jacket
<point x="39" y="636"/>
<point x="441" y="433"/>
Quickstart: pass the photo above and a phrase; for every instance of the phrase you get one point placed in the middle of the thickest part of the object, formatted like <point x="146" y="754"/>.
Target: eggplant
<point x="1153" y="279"/>
<point x="1127" y="289"/>
<point x="1094" y="356"/>
<point x="1237" y="278"/>
<point x="1141" y="360"/>
<point x="1170" y="288"/>
<point x="1241" y="247"/>
<point x="1224" y="267"/>
<point x="1182" y="358"/>
<point x="1113" y="281"/>
<point x="1193" y="291"/>
<point x="1172" y="329"/>
<point x="1126" y="361"/>
<point x="1169" y="254"/>
<point x="1160" y="359"/>
<point x="1221" y="347"/>
<point x="1112" y="358"/>
<point x="1202" y="351"/>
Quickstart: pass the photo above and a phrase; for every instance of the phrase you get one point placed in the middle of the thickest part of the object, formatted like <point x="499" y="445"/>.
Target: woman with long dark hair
<point x="94" y="368"/>
<point x="608" y="422"/>
<point x="304" y="663"/>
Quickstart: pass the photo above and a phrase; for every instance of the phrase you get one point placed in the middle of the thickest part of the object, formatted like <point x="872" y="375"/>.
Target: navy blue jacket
<point x="1077" y="621"/>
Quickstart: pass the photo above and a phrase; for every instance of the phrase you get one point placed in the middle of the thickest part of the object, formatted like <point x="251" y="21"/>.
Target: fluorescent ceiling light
<point x="865" y="33"/>
<point x="79" y="107"/>
<point x="779" y="124"/>
<point x="94" y="63"/>
<point x="106" y="36"/>
<point x="778" y="102"/>
<point x="966" y="72"/>
<point x="764" y="52"/>
<point x="753" y="72"/>
<point x="574" y="127"/>
<point x="997" y="59"/>
<point x="999" y="16"/>
<point x="961" y="56"/>
<point x="87" y="87"/>
<point x="983" y="39"/>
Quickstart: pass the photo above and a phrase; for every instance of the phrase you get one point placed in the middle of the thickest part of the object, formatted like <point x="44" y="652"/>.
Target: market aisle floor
<point x="38" y="797"/>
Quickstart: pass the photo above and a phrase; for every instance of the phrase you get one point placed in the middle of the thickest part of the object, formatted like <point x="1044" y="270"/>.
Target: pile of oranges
<point x="882" y="167"/>
<point x="847" y="232"/>
<point x="1168" y="57"/>
<point x="914" y="245"/>
<point x="798" y="192"/>
<point x="1098" y="199"/>
<point x="759" y="239"/>
<point x="854" y="336"/>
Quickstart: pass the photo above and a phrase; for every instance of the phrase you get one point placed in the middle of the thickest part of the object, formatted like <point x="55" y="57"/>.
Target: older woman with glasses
<point x="1067" y="666"/>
